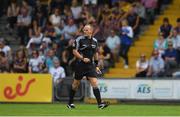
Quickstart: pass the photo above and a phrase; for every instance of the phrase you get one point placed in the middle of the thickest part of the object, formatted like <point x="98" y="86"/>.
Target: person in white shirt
<point x="36" y="63"/>
<point x="113" y="42"/>
<point x="76" y="9"/>
<point x="55" y="18"/>
<point x="38" y="40"/>
<point x="35" y="39"/>
<point x="126" y="41"/>
<point x="58" y="74"/>
<point x="6" y="49"/>
<point x="142" y="66"/>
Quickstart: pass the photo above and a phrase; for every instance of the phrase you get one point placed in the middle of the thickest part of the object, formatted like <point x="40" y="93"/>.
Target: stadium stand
<point x="104" y="15"/>
<point x="145" y="42"/>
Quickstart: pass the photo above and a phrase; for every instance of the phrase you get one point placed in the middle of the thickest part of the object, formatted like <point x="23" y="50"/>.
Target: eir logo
<point x="10" y="94"/>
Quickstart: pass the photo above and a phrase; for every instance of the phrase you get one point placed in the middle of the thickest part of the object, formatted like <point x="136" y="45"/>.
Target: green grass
<point x="88" y="110"/>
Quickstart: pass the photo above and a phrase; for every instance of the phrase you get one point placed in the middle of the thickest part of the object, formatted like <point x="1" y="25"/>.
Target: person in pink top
<point x="150" y="6"/>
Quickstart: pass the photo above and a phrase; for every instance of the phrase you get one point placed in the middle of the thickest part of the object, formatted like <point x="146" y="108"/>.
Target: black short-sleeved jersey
<point x="85" y="46"/>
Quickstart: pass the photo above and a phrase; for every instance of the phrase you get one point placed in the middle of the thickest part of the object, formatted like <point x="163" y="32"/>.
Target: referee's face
<point x="88" y="30"/>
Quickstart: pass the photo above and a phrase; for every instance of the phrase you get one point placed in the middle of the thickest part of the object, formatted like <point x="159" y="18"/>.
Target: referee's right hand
<point x="86" y="60"/>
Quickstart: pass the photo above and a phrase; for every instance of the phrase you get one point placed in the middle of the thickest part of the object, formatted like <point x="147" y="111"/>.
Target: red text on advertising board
<point x="8" y="90"/>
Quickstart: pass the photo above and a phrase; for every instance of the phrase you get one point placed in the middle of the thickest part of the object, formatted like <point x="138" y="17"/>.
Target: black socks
<point x="71" y="95"/>
<point x="97" y="94"/>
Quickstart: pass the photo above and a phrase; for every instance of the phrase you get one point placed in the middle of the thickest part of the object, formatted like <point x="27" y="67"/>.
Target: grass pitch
<point x="88" y="110"/>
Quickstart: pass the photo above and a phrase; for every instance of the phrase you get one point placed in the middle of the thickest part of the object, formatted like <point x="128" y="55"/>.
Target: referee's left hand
<point x="86" y="60"/>
<point x="98" y="71"/>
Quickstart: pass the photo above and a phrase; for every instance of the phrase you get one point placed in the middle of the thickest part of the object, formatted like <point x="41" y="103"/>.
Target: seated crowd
<point x="165" y="59"/>
<point x="47" y="33"/>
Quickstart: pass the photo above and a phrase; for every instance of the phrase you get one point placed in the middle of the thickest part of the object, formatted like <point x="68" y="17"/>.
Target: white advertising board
<point x="139" y="89"/>
<point x="112" y="89"/>
<point x="163" y="89"/>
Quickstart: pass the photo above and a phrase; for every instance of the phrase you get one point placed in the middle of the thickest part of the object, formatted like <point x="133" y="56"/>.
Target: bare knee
<point x="75" y="84"/>
<point x="93" y="82"/>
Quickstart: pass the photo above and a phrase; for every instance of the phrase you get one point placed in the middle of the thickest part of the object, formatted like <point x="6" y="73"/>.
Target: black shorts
<point x="85" y="69"/>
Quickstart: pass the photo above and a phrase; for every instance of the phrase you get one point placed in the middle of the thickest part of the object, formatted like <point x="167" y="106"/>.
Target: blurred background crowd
<point x="45" y="34"/>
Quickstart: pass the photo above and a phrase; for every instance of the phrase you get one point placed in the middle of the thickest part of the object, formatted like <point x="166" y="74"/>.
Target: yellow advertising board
<point x="25" y="88"/>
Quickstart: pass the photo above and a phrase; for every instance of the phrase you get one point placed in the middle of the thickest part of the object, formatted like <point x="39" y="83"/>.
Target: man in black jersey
<point x="85" y="50"/>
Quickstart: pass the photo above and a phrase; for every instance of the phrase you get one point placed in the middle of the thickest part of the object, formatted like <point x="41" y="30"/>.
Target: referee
<point x="85" y="49"/>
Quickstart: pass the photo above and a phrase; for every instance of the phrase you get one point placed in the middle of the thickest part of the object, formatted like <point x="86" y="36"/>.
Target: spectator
<point x="40" y="8"/>
<point x="4" y="64"/>
<point x="142" y="66"/>
<point x="25" y="7"/>
<point x="56" y="49"/>
<point x="80" y="27"/>
<point x="86" y="17"/>
<point x="140" y="10"/>
<point x="6" y="49"/>
<point x="114" y="17"/>
<point x="175" y="39"/>
<point x="46" y="39"/>
<point x="69" y="30"/>
<point x="41" y="19"/>
<point x="37" y="40"/>
<point x="101" y="58"/>
<point x="178" y="26"/>
<point x="35" y="29"/>
<point x="166" y="28"/>
<point x="44" y="48"/>
<point x="105" y="56"/>
<point x="49" y="59"/>
<point x="67" y="12"/>
<point x="36" y="63"/>
<point x="170" y="57"/>
<point x="58" y="74"/>
<point x="156" y="65"/>
<point x="113" y="42"/>
<point x="68" y="60"/>
<point x="76" y="10"/>
<point x="20" y="62"/>
<point x="12" y="13"/>
<point x="103" y="14"/>
<point x="150" y="6"/>
<point x="98" y="34"/>
<point x="133" y="20"/>
<point x="35" y="34"/>
<point x="59" y="32"/>
<point x="23" y="22"/>
<point x="126" y="41"/>
<point x="160" y="44"/>
<point x="49" y="31"/>
<point x="106" y="28"/>
<point x="55" y="18"/>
